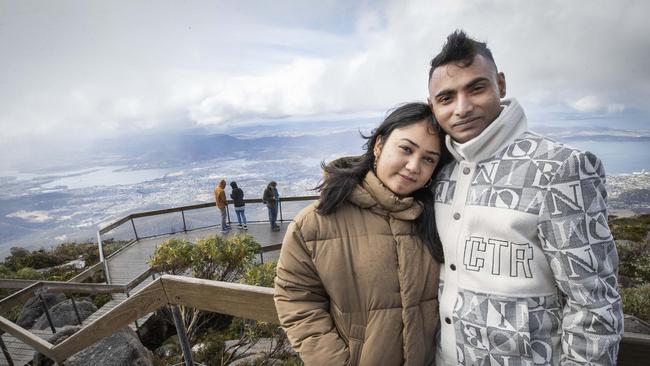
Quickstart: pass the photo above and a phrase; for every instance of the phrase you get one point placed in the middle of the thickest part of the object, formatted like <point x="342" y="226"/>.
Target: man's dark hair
<point x="461" y="50"/>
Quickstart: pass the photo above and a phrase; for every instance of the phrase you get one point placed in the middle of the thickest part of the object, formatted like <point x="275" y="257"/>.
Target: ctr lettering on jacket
<point x="498" y="257"/>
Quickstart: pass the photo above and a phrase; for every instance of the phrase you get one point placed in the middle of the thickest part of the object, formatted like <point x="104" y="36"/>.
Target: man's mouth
<point x="466" y="121"/>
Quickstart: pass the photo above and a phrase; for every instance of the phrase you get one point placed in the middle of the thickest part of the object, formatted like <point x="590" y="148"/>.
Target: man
<point x="220" y="198"/>
<point x="271" y="197"/>
<point x="530" y="274"/>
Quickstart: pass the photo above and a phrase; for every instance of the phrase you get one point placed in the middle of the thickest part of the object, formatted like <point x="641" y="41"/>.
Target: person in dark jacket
<point x="237" y="196"/>
<point x="271" y="198"/>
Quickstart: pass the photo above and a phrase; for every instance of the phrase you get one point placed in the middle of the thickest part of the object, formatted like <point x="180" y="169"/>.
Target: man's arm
<point x="578" y="244"/>
<point x="303" y="305"/>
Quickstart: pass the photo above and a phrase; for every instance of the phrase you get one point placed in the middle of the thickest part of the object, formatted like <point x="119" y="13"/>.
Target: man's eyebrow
<point x="469" y="85"/>
<point x="418" y="146"/>
<point x="476" y="81"/>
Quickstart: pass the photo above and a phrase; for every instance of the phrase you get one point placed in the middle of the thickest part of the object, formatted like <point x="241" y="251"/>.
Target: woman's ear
<point x="377" y="148"/>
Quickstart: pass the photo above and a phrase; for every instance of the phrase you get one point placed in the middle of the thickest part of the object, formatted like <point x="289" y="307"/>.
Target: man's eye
<point x="478" y="88"/>
<point x="444" y="100"/>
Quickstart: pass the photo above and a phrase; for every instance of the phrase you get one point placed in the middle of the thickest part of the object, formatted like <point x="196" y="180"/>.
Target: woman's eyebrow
<point x="418" y="146"/>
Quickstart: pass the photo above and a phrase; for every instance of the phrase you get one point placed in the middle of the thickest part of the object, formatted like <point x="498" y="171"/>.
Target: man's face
<point x="465" y="100"/>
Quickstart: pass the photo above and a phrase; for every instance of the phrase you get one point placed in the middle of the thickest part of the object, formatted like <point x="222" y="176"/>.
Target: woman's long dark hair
<point x="343" y="175"/>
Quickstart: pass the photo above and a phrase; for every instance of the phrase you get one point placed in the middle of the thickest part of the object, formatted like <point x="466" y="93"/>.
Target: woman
<point x="237" y="196"/>
<point x="271" y="198"/>
<point x="358" y="272"/>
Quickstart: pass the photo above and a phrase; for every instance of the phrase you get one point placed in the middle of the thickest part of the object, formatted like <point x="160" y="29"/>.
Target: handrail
<point x="60" y="286"/>
<point x="127" y="218"/>
<point x="87" y="273"/>
<point x="252" y="302"/>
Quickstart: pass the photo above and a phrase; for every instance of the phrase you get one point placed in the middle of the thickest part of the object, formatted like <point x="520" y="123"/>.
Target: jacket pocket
<point x="357" y="337"/>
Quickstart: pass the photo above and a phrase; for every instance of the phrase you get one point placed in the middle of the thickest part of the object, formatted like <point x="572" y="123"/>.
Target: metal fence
<point x="149" y="224"/>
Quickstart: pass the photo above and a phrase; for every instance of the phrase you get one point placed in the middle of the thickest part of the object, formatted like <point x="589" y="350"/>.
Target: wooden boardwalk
<point x="21" y="354"/>
<point x="132" y="261"/>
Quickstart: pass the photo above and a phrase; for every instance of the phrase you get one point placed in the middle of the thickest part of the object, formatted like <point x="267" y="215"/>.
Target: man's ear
<point x="501" y="82"/>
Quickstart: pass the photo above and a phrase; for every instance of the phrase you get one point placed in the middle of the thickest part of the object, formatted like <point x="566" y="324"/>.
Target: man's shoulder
<point x="539" y="147"/>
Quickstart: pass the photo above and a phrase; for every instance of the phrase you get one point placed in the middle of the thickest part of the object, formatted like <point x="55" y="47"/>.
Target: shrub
<point x="636" y="301"/>
<point x="630" y="228"/>
<point x="634" y="261"/>
<point x="27" y="273"/>
<point x="173" y="256"/>
<point x="260" y="275"/>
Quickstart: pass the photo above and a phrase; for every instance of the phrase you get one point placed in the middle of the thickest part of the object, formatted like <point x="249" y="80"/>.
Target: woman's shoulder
<point x="314" y="225"/>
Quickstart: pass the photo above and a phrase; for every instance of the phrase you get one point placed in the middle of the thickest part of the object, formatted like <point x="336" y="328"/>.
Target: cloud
<point x="114" y="71"/>
<point x="31" y="216"/>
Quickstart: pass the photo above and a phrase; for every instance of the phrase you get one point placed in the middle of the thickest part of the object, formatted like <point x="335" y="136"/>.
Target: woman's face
<point x="407" y="158"/>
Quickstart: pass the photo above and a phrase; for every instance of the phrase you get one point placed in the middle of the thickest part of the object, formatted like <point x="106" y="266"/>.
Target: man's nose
<point x="464" y="106"/>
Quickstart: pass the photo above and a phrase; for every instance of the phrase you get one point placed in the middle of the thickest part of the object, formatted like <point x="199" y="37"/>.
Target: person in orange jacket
<point x="220" y="198"/>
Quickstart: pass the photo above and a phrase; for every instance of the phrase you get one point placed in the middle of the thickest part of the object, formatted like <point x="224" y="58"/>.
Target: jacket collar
<point x="373" y="195"/>
<point x="510" y="124"/>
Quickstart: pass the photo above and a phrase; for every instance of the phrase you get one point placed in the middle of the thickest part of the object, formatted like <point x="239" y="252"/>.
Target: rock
<point x="32" y="309"/>
<point x="636" y="325"/>
<point x="63" y="314"/>
<point x="170" y="347"/>
<point x="158" y="328"/>
<point x="258" y="351"/>
<point x="119" y="349"/>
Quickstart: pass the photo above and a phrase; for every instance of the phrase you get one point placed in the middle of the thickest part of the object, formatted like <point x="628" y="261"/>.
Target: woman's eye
<point x="406" y="149"/>
<point x="430" y="160"/>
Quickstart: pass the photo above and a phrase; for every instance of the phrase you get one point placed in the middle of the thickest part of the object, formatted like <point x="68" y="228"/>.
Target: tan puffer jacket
<point x="358" y="287"/>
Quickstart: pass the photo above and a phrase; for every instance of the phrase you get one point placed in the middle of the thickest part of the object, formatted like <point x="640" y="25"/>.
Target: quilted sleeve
<point x="303" y="305"/>
<point x="578" y="244"/>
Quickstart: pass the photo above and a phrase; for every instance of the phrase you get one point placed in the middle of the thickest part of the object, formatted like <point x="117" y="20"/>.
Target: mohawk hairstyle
<point x="461" y="50"/>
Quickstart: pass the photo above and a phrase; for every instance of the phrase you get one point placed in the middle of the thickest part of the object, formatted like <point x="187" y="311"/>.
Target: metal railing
<point x="129" y="220"/>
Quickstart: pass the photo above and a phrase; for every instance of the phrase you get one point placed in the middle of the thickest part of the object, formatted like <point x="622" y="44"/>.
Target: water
<point x="106" y="176"/>
<point x="619" y="157"/>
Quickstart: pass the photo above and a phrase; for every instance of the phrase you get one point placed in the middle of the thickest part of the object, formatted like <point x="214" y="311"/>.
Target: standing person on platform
<point x="220" y="198"/>
<point x="357" y="278"/>
<point x="271" y="198"/>
<point x="237" y="196"/>
<point x="531" y="266"/>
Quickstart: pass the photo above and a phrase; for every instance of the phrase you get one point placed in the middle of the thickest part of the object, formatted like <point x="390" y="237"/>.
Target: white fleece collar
<point x="510" y="124"/>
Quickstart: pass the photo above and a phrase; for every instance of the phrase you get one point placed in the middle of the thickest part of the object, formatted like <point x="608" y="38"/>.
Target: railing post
<point x="182" y="336"/>
<point x="5" y="351"/>
<point x="262" y="257"/>
<point x="102" y="259"/>
<point x="184" y="226"/>
<point x="280" y="207"/>
<point x="228" y="214"/>
<point x="134" y="231"/>
<point x="47" y="313"/>
<point x="76" y="311"/>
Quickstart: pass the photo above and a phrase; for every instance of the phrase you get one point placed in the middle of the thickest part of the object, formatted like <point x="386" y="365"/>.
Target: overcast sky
<point x="82" y="69"/>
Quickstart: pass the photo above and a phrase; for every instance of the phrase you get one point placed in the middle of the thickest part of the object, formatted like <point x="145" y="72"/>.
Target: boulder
<point x="122" y="348"/>
<point x="63" y="314"/>
<point x="157" y="329"/>
<point x="32" y="309"/>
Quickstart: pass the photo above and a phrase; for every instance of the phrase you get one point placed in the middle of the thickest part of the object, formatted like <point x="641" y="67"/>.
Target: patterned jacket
<point x="531" y="267"/>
